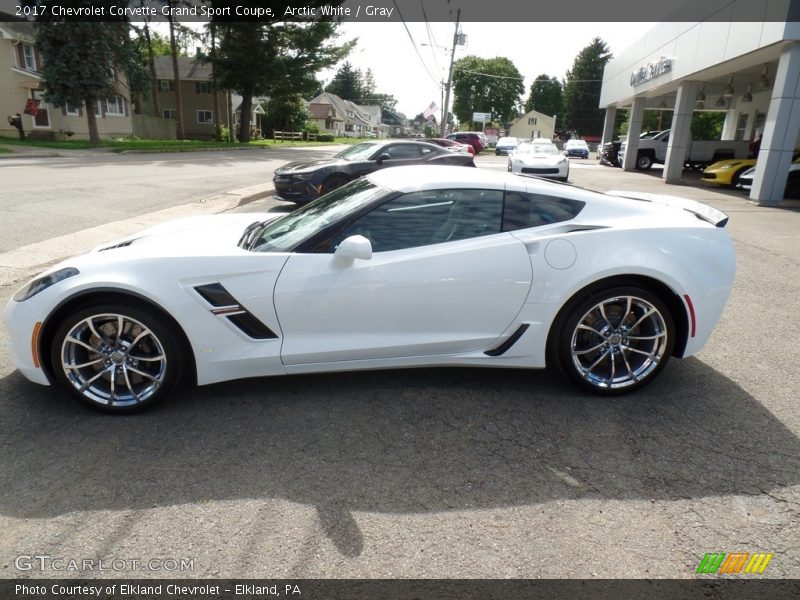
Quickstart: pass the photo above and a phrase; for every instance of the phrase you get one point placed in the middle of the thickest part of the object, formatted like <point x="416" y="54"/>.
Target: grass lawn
<point x="137" y="145"/>
<point x="3" y="150"/>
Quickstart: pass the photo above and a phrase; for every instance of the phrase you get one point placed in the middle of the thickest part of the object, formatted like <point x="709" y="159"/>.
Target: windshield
<point x="284" y="233"/>
<point x="537" y="149"/>
<point x="360" y="151"/>
<point x="507" y="141"/>
<point x="576" y="144"/>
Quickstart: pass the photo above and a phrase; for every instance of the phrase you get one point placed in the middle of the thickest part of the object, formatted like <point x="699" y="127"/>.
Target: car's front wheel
<point x="331" y="183"/>
<point x="616" y="340"/>
<point x="117" y="357"/>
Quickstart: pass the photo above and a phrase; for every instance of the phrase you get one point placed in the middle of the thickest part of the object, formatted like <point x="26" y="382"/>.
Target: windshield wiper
<point x="250" y="234"/>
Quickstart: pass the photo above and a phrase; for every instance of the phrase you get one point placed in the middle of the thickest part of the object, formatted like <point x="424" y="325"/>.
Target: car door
<point x="443" y="279"/>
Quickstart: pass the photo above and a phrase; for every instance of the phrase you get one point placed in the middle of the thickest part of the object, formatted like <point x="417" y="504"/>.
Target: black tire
<point x="331" y="183"/>
<point x="644" y="162"/>
<point x="593" y="351"/>
<point x="792" y="185"/>
<point x="735" y="176"/>
<point x="144" y="360"/>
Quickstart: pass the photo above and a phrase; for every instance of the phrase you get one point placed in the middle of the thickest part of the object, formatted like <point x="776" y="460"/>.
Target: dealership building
<point x="749" y="70"/>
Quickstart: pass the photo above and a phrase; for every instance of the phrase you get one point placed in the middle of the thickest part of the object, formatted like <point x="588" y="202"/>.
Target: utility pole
<point x="450" y="75"/>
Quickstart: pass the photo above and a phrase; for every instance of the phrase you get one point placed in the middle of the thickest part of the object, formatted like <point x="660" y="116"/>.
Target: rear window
<point x="525" y="209"/>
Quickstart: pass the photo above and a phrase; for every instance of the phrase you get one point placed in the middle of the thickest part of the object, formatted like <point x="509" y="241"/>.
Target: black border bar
<point x="396" y="11"/>
<point x="710" y="588"/>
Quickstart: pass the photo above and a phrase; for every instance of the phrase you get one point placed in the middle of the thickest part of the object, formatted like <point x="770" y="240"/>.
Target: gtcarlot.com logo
<point x="45" y="562"/>
<point x="734" y="562"/>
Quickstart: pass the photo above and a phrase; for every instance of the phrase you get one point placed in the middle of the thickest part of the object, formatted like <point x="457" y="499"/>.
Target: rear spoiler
<point x="706" y="213"/>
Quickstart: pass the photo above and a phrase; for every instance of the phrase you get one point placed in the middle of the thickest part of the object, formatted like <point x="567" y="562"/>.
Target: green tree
<point x="273" y="58"/>
<point x="486" y="85"/>
<point x="707" y="125"/>
<point x="83" y="62"/>
<point x="546" y="96"/>
<point x="347" y="83"/>
<point x="285" y="113"/>
<point x="582" y="90"/>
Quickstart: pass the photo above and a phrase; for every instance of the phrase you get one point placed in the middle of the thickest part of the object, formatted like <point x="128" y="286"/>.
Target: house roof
<point x="321" y="110"/>
<point x="343" y="107"/>
<point x="189" y="68"/>
<point x="18" y="30"/>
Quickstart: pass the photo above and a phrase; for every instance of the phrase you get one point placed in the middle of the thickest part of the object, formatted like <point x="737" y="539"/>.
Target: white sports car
<point x="409" y="266"/>
<point x="542" y="159"/>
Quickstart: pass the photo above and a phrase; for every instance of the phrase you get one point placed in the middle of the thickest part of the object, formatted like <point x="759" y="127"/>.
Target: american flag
<point x="431" y="110"/>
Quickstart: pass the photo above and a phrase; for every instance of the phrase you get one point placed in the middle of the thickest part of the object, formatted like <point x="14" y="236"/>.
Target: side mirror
<point x="383" y="157"/>
<point x="356" y="246"/>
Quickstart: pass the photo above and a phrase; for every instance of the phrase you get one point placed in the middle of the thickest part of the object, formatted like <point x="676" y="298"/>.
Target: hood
<point x="208" y="235"/>
<point x="310" y="165"/>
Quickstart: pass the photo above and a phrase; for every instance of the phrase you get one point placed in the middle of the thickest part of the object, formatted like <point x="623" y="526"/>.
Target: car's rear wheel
<point x="644" y="162"/>
<point x="616" y="340"/>
<point x="331" y="183"/>
<point x="116" y="357"/>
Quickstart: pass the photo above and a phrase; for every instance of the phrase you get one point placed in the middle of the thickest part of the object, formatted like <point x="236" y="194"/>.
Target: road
<point x="42" y="198"/>
<point x="440" y="472"/>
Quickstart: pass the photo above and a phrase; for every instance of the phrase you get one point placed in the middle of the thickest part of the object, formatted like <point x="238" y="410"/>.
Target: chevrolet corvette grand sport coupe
<point x="302" y="182"/>
<point x="412" y="266"/>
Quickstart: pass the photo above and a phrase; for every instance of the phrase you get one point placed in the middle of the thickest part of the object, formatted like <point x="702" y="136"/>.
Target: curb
<point x="22" y="263"/>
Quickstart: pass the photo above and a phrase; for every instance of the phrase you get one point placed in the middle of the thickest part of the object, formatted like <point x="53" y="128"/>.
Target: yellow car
<point x="726" y="172"/>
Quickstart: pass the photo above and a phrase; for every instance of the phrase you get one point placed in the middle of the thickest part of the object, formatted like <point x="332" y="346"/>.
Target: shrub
<point x="325" y="137"/>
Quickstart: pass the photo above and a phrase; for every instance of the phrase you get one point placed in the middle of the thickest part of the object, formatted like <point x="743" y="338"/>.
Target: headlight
<point x="42" y="283"/>
<point x="562" y="161"/>
<point x="302" y="176"/>
<point x="728" y="166"/>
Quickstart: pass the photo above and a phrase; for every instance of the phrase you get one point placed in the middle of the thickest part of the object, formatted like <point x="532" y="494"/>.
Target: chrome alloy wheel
<point x="619" y="342"/>
<point x="114" y="360"/>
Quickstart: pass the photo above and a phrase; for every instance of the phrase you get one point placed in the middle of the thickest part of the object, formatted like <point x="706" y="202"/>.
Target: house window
<point x="531" y="120"/>
<point x="115" y="106"/>
<point x="98" y="108"/>
<point x="29" y="57"/>
<point x="42" y="118"/>
<point x="202" y="87"/>
<point x="166" y="85"/>
<point x="73" y="110"/>
<point x="204" y="117"/>
<point x="169" y="113"/>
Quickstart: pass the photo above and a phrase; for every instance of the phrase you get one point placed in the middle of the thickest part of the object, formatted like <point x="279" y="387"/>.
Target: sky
<point x="534" y="48"/>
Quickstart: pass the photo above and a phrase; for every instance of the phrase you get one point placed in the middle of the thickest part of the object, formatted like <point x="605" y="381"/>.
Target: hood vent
<point x="120" y="245"/>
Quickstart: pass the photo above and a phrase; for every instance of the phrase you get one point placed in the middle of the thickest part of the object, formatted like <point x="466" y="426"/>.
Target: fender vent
<point x="227" y="306"/>
<point x="513" y="339"/>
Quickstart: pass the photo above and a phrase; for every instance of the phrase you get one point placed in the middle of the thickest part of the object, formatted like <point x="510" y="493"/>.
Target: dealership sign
<point x="651" y="71"/>
<point x="481" y="117"/>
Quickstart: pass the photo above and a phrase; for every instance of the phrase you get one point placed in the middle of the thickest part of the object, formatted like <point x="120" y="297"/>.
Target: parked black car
<point x="302" y="182"/>
<point x="609" y="155"/>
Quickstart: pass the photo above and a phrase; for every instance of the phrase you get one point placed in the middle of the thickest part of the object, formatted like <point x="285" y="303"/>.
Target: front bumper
<point x="293" y="190"/>
<point x="20" y="319"/>
<point x="578" y="153"/>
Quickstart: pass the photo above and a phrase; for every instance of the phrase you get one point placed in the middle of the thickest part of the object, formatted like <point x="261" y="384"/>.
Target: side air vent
<point x="225" y="305"/>
<point x="513" y="339"/>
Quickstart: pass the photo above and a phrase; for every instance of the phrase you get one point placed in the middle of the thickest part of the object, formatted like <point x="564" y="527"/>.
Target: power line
<point x="430" y="36"/>
<point x="414" y="44"/>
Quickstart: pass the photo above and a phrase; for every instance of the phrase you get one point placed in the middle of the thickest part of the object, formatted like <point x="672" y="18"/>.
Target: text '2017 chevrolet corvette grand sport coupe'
<point x="408" y="266"/>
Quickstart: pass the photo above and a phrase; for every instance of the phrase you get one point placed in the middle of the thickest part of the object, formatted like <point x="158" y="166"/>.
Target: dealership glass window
<point x="741" y="126"/>
<point x="432" y="217"/>
<point x="204" y="117"/>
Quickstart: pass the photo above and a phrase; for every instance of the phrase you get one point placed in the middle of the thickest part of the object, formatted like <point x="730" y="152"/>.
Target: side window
<point x="402" y="151"/>
<point x="433" y="217"/>
<point x="425" y="150"/>
<point x="523" y="210"/>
